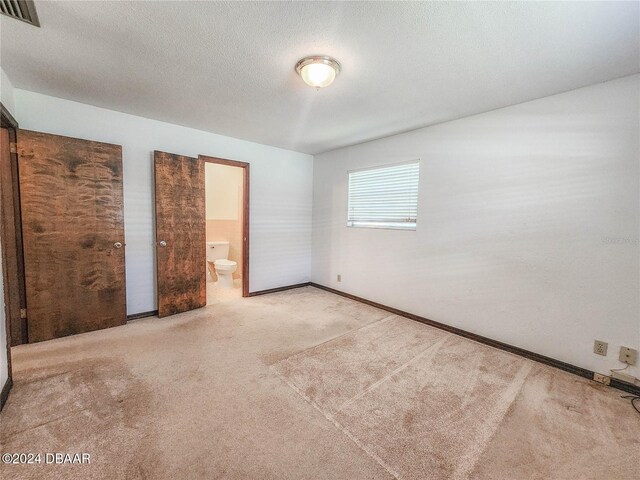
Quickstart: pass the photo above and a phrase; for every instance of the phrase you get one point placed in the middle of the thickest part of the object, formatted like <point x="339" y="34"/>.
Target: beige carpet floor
<point x="305" y="384"/>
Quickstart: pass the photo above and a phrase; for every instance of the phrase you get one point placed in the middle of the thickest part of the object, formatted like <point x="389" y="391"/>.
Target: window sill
<point x="411" y="228"/>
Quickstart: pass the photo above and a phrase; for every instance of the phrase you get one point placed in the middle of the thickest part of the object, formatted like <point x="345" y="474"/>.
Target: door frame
<point x="245" y="213"/>
<point x="15" y="325"/>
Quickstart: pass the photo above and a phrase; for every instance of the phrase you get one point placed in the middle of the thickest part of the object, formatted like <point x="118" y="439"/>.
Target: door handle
<point x="163" y="243"/>
<point x="117" y="245"/>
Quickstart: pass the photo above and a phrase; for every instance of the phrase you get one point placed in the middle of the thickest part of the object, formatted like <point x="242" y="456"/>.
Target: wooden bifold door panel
<point x="180" y="233"/>
<point x="73" y="234"/>
<point x="12" y="266"/>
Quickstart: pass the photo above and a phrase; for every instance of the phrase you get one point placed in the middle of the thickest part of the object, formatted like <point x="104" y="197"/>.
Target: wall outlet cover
<point x="600" y="378"/>
<point x="339" y="277"/>
<point x="600" y="347"/>
<point x="628" y="355"/>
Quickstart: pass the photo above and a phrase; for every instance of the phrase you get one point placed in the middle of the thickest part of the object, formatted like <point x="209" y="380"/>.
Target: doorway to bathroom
<point x="226" y="228"/>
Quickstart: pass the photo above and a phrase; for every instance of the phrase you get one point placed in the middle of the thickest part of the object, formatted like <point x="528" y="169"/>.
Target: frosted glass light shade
<point x="319" y="71"/>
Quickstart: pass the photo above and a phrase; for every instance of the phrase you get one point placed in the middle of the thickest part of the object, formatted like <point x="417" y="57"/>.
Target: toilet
<point x="217" y="260"/>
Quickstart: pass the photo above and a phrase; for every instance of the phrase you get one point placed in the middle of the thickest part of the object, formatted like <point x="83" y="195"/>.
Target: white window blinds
<point x="384" y="197"/>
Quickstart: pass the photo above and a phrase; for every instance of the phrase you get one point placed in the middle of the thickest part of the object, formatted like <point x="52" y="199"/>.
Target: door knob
<point x="117" y="245"/>
<point x="163" y="243"/>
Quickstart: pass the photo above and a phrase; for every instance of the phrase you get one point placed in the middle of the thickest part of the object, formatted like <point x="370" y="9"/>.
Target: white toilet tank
<point x="217" y="251"/>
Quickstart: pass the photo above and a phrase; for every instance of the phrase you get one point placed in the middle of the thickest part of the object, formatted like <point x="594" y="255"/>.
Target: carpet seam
<point x="334" y="338"/>
<point x="44" y="424"/>
<point x="467" y="463"/>
<point x="342" y="428"/>
<point x="435" y="347"/>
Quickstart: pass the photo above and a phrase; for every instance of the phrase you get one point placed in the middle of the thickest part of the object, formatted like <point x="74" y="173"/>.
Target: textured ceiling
<point x="227" y="67"/>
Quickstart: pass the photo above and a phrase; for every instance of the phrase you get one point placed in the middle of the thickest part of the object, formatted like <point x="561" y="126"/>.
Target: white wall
<point x="6" y="92"/>
<point x="528" y="225"/>
<point x="6" y="96"/>
<point x="280" y="195"/>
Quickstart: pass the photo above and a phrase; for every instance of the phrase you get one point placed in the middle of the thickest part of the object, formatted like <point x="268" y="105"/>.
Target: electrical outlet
<point x="600" y="378"/>
<point x="339" y="277"/>
<point x="600" y="347"/>
<point x="628" y="355"/>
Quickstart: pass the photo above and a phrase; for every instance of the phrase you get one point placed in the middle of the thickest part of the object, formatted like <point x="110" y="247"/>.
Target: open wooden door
<point x="180" y="233"/>
<point x="73" y="233"/>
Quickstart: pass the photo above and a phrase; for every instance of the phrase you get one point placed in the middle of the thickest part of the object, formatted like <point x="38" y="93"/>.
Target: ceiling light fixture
<point x="318" y="71"/>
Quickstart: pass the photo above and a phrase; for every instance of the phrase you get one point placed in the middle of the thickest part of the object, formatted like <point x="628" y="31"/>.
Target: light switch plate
<point x="628" y="355"/>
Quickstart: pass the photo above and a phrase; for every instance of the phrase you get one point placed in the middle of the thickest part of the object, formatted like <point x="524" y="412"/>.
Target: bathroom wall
<point x="280" y="197"/>
<point x="224" y="208"/>
<point x="528" y="225"/>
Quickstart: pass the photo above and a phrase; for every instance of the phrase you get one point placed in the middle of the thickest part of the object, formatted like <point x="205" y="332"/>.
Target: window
<point x="384" y="197"/>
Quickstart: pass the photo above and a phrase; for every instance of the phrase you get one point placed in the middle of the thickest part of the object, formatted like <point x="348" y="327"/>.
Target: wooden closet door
<point x="180" y="233"/>
<point x="11" y="242"/>
<point x="73" y="233"/>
